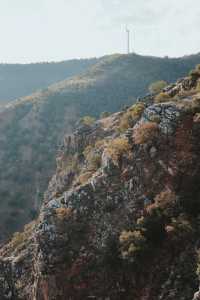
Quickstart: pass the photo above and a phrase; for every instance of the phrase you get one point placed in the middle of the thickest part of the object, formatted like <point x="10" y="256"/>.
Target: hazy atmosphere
<point x="99" y="150"/>
<point x="46" y="30"/>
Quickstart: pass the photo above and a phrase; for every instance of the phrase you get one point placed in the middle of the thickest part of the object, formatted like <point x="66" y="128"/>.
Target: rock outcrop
<point x="120" y="218"/>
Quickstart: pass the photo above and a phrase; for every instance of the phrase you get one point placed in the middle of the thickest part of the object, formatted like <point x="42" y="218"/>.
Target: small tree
<point x="157" y="87"/>
<point x="133" y="245"/>
<point x="162" y="97"/>
<point x="104" y="114"/>
<point x="88" y="120"/>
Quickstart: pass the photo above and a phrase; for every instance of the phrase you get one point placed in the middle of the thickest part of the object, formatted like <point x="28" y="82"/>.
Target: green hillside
<point x="32" y="128"/>
<point x="18" y="80"/>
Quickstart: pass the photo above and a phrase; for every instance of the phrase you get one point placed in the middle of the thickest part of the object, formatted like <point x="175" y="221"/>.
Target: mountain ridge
<point x="17" y="80"/>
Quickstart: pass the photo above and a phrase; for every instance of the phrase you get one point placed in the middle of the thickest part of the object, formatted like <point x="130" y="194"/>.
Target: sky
<point x="54" y="30"/>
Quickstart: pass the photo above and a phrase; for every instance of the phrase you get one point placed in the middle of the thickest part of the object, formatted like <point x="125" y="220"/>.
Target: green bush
<point x="88" y="120"/>
<point x="162" y="97"/>
<point x="131" y="116"/>
<point x="104" y="114"/>
<point x="133" y="244"/>
<point x="157" y="87"/>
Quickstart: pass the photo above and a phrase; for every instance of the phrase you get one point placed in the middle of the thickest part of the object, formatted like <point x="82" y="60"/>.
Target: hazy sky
<point x="46" y="30"/>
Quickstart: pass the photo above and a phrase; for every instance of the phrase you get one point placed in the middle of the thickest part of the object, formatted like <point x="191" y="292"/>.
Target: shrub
<point x="104" y="114"/>
<point x="19" y="239"/>
<point x="180" y="229"/>
<point x="153" y="225"/>
<point x="88" y="120"/>
<point x="125" y="122"/>
<point x="195" y="73"/>
<point x="157" y="86"/>
<point x="162" y="97"/>
<point x="100" y="144"/>
<point x="70" y="163"/>
<point x="117" y="147"/>
<point x="195" y="103"/>
<point x="87" y="150"/>
<point x="94" y="162"/>
<point x="146" y="132"/>
<point x="137" y="109"/>
<point x="93" y="158"/>
<point x="198" y="87"/>
<point x="198" y="263"/>
<point x="165" y="202"/>
<point x="63" y="213"/>
<point x="128" y="118"/>
<point x="133" y="244"/>
<point x="84" y="177"/>
<point x="155" y="119"/>
<point x="165" y="199"/>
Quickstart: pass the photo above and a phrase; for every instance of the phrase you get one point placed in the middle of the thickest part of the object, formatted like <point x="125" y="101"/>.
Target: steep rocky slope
<point x="32" y="128"/>
<point x="120" y="218"/>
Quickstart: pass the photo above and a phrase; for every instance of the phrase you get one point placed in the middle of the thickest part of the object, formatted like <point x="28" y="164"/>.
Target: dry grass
<point x="165" y="198"/>
<point x="84" y="177"/>
<point x="146" y="132"/>
<point x="117" y="147"/>
<point x="63" y="213"/>
<point x="19" y="239"/>
<point x="133" y="113"/>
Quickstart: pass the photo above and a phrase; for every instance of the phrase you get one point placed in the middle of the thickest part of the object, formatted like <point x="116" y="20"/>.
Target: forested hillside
<point x="32" y="128"/>
<point x="18" y="80"/>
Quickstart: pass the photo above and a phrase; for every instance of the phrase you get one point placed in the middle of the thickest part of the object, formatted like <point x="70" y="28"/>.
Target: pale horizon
<point x="34" y="31"/>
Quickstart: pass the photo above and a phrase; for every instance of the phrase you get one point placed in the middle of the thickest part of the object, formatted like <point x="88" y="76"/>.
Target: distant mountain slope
<point x="18" y="80"/>
<point x="32" y="127"/>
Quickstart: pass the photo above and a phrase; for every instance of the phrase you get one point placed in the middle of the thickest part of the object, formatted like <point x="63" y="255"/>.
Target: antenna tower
<point x="128" y="40"/>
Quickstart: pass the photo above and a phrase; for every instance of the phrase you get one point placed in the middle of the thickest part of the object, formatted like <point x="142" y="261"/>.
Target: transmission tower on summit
<point x="128" y="40"/>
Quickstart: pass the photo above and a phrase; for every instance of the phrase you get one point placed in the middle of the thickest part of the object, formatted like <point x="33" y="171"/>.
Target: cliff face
<point x="31" y="128"/>
<point x="120" y="219"/>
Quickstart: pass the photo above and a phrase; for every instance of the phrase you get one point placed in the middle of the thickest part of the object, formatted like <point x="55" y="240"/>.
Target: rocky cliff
<point x="31" y="128"/>
<point x="121" y="216"/>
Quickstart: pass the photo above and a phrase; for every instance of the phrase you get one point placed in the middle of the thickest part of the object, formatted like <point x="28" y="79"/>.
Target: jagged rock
<point x="167" y="115"/>
<point x="153" y="152"/>
<point x="75" y="249"/>
<point x="196" y="296"/>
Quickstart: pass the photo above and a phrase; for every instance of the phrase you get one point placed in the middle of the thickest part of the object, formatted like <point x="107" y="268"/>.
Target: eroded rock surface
<point x="120" y="219"/>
